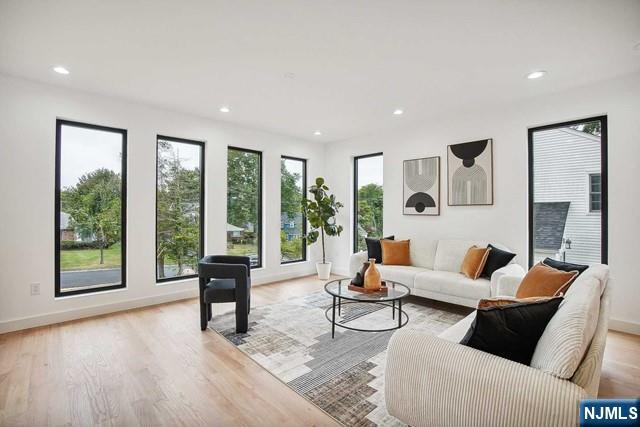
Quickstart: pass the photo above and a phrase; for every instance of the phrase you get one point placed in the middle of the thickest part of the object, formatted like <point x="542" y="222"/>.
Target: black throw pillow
<point x="497" y="259"/>
<point x="511" y="331"/>
<point x="565" y="266"/>
<point x="374" y="249"/>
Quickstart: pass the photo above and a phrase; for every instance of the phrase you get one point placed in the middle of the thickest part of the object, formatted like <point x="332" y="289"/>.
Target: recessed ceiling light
<point x="536" y="74"/>
<point x="317" y="133"/>
<point x="397" y="112"/>
<point x="224" y="109"/>
<point x="60" y="70"/>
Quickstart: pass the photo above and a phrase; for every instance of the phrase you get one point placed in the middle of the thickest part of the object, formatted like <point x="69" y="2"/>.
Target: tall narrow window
<point x="90" y="208"/>
<point x="367" y="199"/>
<point x="568" y="191"/>
<point x="244" y="204"/>
<point x="293" y="225"/>
<point x="179" y="208"/>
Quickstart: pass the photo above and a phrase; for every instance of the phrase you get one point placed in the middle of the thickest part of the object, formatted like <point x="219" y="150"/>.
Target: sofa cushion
<point x="400" y="273"/>
<point x="544" y="281"/>
<point x="423" y="252"/>
<point x="455" y="284"/>
<point x="456" y="332"/>
<point x="511" y="331"/>
<point x="374" y="249"/>
<point x="474" y="261"/>
<point x="450" y="253"/>
<point x="396" y="252"/>
<point x="565" y="266"/>
<point x="506" y="300"/>
<point x="497" y="259"/>
<point x="568" y="335"/>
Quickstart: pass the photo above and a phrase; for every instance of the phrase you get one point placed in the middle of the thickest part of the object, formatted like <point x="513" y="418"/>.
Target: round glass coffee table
<point x="339" y="290"/>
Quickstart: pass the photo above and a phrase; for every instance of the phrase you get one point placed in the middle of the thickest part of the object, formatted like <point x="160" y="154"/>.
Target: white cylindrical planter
<point x="324" y="270"/>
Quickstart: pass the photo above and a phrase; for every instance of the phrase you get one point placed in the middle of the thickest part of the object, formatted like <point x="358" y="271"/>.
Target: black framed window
<point x="367" y="199"/>
<point x="568" y="212"/>
<point x="179" y="208"/>
<point x="293" y="224"/>
<point x="90" y="208"/>
<point x="244" y="204"/>
<point x="595" y="192"/>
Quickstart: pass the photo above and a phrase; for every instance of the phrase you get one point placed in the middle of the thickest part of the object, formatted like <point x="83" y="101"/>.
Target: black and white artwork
<point x="421" y="192"/>
<point x="470" y="173"/>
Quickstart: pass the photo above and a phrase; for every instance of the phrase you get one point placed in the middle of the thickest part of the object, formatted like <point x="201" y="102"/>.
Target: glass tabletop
<point x="340" y="288"/>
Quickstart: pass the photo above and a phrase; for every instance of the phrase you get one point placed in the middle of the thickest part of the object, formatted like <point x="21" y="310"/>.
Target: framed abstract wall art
<point x="421" y="186"/>
<point x="470" y="173"/>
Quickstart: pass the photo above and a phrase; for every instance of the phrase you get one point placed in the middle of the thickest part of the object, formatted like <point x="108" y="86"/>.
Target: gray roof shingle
<point x="549" y="220"/>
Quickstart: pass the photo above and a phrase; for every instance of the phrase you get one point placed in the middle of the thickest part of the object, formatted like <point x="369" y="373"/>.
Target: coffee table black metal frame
<point x="395" y="293"/>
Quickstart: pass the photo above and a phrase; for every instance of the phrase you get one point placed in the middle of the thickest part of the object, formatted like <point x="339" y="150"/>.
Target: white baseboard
<point x="340" y="272"/>
<point x="624" y="326"/>
<point x="95" y="310"/>
<point x="257" y="281"/>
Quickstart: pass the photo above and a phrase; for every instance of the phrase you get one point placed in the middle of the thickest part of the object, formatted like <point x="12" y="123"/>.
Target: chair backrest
<point x="225" y="260"/>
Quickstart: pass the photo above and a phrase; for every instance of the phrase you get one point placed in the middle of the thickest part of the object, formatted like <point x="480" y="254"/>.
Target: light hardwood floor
<point x="153" y="366"/>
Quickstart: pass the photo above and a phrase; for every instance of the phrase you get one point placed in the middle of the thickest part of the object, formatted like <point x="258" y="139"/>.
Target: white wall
<point x="506" y="221"/>
<point x="27" y="145"/>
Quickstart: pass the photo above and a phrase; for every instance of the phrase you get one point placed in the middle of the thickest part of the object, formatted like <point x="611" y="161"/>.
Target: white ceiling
<point x="339" y="66"/>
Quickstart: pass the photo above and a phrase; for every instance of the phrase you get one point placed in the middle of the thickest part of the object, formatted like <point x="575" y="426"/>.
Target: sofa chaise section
<point x="436" y="381"/>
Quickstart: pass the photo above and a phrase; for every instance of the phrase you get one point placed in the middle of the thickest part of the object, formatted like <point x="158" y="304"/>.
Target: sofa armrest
<point x="510" y="273"/>
<point x="508" y="286"/>
<point x="433" y="382"/>
<point x="355" y="262"/>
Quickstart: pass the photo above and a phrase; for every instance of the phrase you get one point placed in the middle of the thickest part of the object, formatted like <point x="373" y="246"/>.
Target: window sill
<point x="177" y="281"/>
<point x="90" y="294"/>
<point x="287" y="264"/>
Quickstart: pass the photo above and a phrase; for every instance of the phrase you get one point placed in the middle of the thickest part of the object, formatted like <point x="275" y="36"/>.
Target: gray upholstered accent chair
<point x="225" y="278"/>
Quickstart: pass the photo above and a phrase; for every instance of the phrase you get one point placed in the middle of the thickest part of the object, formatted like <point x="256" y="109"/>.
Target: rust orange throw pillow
<point x="545" y="281"/>
<point x="395" y="252"/>
<point x="473" y="262"/>
<point x="498" y="301"/>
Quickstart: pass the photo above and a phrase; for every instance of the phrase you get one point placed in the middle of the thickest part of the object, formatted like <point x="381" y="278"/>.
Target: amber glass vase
<point x="372" y="276"/>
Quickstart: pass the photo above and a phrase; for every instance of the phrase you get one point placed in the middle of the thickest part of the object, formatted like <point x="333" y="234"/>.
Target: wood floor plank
<point x="154" y="367"/>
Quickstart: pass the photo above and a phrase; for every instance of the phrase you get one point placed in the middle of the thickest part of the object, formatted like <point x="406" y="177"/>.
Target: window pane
<point x="178" y="208"/>
<point x="292" y="222"/>
<point x="562" y="157"/>
<point x="595" y="183"/>
<point x="244" y="204"/>
<point x="368" y="199"/>
<point x="91" y="204"/>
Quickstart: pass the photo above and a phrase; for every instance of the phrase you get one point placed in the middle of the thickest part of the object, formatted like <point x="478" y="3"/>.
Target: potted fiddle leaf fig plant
<point x="321" y="212"/>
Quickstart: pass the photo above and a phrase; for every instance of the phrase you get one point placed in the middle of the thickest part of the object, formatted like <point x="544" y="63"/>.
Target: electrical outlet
<point x="35" y="289"/>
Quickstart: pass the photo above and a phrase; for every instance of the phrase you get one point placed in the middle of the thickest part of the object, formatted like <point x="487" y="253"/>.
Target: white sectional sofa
<point x="435" y="272"/>
<point x="434" y="381"/>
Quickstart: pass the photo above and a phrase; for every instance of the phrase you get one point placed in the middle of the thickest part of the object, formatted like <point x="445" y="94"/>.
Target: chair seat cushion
<point x="456" y="284"/>
<point x="220" y="290"/>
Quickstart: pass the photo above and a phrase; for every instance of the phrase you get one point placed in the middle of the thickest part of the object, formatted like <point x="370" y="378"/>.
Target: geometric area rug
<point x="343" y="376"/>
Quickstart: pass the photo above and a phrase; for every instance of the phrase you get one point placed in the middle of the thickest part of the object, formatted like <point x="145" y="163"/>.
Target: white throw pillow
<point x="570" y="331"/>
